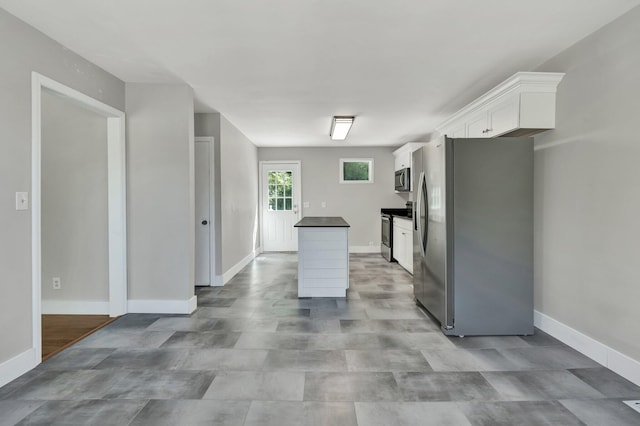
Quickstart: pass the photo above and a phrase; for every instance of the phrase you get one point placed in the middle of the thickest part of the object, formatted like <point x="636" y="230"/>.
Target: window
<point x="280" y="185"/>
<point x="356" y="170"/>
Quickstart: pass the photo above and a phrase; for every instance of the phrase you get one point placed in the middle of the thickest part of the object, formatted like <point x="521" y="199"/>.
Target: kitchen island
<point x="323" y="257"/>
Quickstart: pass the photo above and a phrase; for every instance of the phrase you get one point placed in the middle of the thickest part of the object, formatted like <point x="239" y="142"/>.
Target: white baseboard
<point x="231" y="272"/>
<point x="162" y="306"/>
<point x="615" y="361"/>
<point x="217" y="281"/>
<point x="364" y="249"/>
<point x="625" y="366"/>
<point x="322" y="292"/>
<point x="193" y="304"/>
<point x="17" y="366"/>
<point x="75" y="307"/>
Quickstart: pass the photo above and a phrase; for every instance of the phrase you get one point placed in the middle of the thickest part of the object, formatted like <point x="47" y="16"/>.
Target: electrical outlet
<point x="635" y="404"/>
<point x="56" y="283"/>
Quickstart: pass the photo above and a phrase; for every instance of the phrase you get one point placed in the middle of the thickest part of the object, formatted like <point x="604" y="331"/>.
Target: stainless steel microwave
<point x="403" y="180"/>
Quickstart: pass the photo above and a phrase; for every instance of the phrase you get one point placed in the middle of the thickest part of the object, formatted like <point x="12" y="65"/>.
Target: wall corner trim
<point x="162" y="306"/>
<point x="17" y="366"/>
<point x="364" y="249"/>
<point x="231" y="272"/>
<point x="614" y="360"/>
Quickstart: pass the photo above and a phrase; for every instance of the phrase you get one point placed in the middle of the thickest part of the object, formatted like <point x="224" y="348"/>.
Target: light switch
<point x="323" y="204"/>
<point x="22" y="201"/>
<point x="305" y="204"/>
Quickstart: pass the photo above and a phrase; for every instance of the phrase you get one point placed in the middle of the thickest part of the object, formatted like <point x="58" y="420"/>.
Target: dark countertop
<point x="404" y="213"/>
<point x="322" y="222"/>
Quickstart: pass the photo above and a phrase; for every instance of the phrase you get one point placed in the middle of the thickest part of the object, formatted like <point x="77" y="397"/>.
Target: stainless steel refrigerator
<point x="473" y="234"/>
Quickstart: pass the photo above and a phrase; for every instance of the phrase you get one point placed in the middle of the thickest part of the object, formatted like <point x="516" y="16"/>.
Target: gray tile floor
<point x="255" y="354"/>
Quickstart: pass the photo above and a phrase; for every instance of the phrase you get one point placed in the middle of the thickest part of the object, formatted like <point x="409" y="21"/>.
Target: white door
<point x="280" y="205"/>
<point x="203" y="211"/>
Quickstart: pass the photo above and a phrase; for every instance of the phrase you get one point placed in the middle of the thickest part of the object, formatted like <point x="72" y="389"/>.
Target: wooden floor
<point x="61" y="331"/>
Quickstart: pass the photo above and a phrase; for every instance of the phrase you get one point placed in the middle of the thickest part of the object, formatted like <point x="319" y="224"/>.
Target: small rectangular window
<point x="356" y="170"/>
<point x="280" y="189"/>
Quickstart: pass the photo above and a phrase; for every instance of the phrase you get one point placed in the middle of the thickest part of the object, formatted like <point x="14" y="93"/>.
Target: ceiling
<point x="279" y="69"/>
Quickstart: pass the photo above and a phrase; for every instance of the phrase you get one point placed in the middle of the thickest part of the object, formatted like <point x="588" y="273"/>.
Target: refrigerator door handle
<point x="416" y="216"/>
<point x="419" y="213"/>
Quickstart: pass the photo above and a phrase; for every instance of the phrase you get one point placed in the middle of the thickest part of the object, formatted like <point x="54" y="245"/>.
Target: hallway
<point x="255" y="354"/>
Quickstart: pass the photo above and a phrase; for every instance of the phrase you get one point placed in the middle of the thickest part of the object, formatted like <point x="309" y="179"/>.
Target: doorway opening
<point x="114" y="216"/>
<point x="280" y="198"/>
<point x="62" y="331"/>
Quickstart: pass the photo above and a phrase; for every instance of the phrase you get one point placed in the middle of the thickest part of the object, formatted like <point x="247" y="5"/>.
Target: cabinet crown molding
<point x="520" y="82"/>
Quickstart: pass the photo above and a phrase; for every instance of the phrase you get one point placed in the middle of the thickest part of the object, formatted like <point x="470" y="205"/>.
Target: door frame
<point x="298" y="193"/>
<point x="213" y="281"/>
<point x="116" y="195"/>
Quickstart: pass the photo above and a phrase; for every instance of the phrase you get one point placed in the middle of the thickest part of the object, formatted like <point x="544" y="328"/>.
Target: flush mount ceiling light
<point x="340" y="127"/>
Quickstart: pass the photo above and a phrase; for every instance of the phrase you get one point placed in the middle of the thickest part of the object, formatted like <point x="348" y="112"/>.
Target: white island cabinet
<point x="323" y="257"/>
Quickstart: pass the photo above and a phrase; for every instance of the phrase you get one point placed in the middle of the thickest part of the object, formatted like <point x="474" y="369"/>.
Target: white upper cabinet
<point x="403" y="157"/>
<point x="402" y="160"/>
<point x="476" y="126"/>
<point x="498" y="118"/>
<point x="524" y="104"/>
<point x="459" y="132"/>
<point x="503" y="115"/>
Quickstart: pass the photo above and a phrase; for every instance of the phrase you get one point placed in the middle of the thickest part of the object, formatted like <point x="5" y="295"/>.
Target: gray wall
<point x="358" y="204"/>
<point x="587" y="190"/>
<point x="74" y="202"/>
<point x="23" y="50"/>
<point x="209" y="125"/>
<point x="239" y="193"/>
<point x="160" y="199"/>
<point x="235" y="192"/>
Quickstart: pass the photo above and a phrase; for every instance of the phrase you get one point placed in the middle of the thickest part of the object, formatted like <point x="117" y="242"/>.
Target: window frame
<point x="284" y="197"/>
<point x="356" y="160"/>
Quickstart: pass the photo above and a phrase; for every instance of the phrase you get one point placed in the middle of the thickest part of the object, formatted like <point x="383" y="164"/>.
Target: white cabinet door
<point x="498" y="118"/>
<point x="403" y="243"/>
<point x="398" y="246"/>
<point x="408" y="246"/>
<point x="458" y="132"/>
<point x="477" y="125"/>
<point x="504" y="116"/>
<point x="402" y="160"/>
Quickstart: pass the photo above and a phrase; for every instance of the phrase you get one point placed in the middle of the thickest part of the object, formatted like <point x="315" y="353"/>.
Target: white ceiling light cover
<point x="340" y="127"/>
